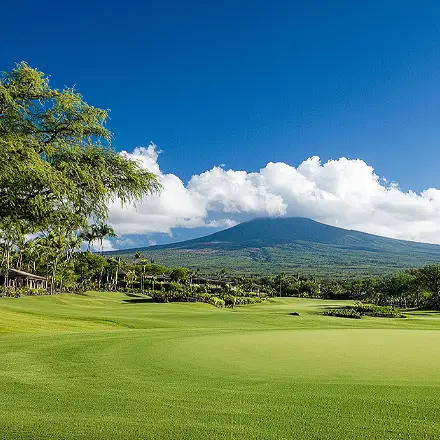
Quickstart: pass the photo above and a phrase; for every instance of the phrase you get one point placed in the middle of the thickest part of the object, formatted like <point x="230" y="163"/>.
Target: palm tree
<point x="281" y="278"/>
<point x="20" y="243"/>
<point x="102" y="231"/>
<point x="88" y="234"/>
<point x="30" y="252"/>
<point x="130" y="278"/>
<point x="54" y="245"/>
<point x="11" y="234"/>
<point x="118" y="267"/>
<point x="117" y="264"/>
<point x="143" y="262"/>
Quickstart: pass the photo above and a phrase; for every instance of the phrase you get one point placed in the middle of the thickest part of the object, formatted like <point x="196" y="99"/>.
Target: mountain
<point x="292" y="244"/>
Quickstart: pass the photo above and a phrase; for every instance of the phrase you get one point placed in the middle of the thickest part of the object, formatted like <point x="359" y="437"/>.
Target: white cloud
<point x="107" y="245"/>
<point x="175" y="206"/>
<point x="343" y="192"/>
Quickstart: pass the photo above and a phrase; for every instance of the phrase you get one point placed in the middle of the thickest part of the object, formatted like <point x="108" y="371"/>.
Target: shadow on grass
<point x="137" y="299"/>
<point x="335" y="307"/>
<point x="134" y="295"/>
<point x="422" y="312"/>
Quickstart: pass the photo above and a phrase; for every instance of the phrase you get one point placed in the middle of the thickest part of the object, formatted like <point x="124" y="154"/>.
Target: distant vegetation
<point x="412" y="288"/>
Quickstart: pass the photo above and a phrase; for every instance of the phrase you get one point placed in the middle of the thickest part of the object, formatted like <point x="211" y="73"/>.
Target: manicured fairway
<point x="106" y="365"/>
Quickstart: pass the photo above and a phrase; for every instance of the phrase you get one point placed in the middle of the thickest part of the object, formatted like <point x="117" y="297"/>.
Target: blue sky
<point x="246" y="83"/>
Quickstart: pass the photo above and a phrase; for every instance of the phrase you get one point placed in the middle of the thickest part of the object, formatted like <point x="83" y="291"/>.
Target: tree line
<point x="418" y="288"/>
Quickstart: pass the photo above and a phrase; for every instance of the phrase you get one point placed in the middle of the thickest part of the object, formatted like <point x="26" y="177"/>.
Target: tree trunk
<point x="52" y="278"/>
<point x="7" y="266"/>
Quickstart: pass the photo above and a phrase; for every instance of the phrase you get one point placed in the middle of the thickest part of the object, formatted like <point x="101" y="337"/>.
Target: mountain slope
<point x="293" y="244"/>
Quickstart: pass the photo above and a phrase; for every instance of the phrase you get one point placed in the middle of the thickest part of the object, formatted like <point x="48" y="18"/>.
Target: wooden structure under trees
<point x="19" y="278"/>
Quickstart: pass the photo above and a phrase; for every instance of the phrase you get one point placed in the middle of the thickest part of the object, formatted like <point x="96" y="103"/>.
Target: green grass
<point x="105" y="365"/>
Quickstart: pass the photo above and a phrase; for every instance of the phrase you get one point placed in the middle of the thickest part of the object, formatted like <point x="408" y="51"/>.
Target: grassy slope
<point x="314" y="259"/>
<point x="109" y="366"/>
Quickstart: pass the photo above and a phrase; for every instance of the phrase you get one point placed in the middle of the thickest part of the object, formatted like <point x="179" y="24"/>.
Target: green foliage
<point x="379" y="311"/>
<point x="56" y="254"/>
<point x="360" y="309"/>
<point x="57" y="171"/>
<point x="89" y="265"/>
<point x="7" y="291"/>
<point x="11" y="292"/>
<point x="179" y="274"/>
<point x="344" y="313"/>
<point x="56" y="163"/>
<point x="215" y="301"/>
<point x="155" y="269"/>
<point x="219" y="297"/>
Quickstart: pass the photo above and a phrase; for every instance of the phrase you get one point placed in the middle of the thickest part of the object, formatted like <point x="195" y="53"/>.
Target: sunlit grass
<point x="106" y="365"/>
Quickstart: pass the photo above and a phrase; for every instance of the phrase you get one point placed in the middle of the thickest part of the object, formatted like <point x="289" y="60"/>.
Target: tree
<point x="30" y="254"/>
<point x="57" y="164"/>
<point x="88" y="234"/>
<point x="116" y="263"/>
<point x="143" y="264"/>
<point x="102" y="231"/>
<point x="281" y="280"/>
<point x="130" y="277"/>
<point x="54" y="244"/>
<point x="10" y="233"/>
<point x="430" y="278"/>
<point x="89" y="266"/>
<point x="179" y="274"/>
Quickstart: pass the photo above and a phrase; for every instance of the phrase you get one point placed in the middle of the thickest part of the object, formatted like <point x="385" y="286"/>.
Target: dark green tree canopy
<point x="56" y="160"/>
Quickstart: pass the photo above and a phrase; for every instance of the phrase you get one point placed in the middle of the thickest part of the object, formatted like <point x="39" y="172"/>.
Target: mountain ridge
<point x="305" y="222"/>
<point x="266" y="245"/>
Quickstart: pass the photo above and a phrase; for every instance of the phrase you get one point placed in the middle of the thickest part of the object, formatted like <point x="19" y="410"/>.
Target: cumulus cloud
<point x="107" y="245"/>
<point x="176" y="206"/>
<point x="343" y="192"/>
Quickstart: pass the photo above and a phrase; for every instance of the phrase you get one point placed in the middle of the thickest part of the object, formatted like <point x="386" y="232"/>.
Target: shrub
<point x="344" y="313"/>
<point x="216" y="301"/>
<point x="38" y="291"/>
<point x="378" y="311"/>
<point x="361" y="309"/>
<point x="7" y="291"/>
